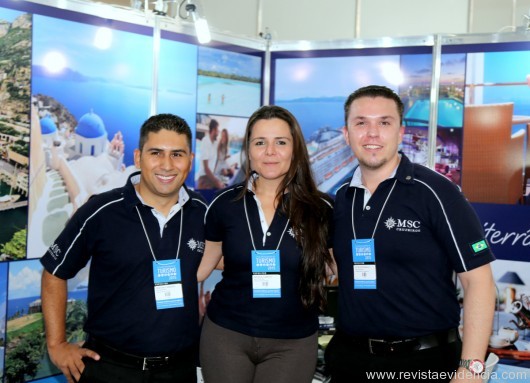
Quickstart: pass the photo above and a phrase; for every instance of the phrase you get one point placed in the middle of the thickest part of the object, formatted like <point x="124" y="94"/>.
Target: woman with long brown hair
<point x="272" y="233"/>
<point x="223" y="169"/>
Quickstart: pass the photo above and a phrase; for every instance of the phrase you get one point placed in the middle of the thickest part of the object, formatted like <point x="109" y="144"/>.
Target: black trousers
<point x="103" y="371"/>
<point x="113" y="370"/>
<point x="347" y="363"/>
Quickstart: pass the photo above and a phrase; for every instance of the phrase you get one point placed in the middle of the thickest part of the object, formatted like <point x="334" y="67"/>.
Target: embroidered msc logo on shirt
<point x="196" y="245"/>
<point x="54" y="251"/>
<point x="407" y="225"/>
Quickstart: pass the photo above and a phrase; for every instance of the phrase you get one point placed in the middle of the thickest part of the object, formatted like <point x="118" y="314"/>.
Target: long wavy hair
<point x="299" y="199"/>
<point x="222" y="146"/>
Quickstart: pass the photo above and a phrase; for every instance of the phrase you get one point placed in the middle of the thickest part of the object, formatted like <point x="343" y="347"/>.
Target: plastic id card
<point x="364" y="269"/>
<point x="168" y="284"/>
<point x="266" y="278"/>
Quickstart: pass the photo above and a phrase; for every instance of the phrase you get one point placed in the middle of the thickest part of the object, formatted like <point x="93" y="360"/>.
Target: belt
<point x="135" y="361"/>
<point x="395" y="346"/>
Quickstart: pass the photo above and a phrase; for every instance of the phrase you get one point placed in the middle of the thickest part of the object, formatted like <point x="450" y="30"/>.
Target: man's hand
<point x="68" y="358"/>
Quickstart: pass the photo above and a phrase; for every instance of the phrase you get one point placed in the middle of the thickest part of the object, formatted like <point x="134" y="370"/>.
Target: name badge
<point x="168" y="284"/>
<point x="364" y="270"/>
<point x="266" y="279"/>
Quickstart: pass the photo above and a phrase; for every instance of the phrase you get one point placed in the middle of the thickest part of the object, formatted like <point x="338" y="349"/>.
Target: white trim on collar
<point x="356" y="180"/>
<point x="162" y="220"/>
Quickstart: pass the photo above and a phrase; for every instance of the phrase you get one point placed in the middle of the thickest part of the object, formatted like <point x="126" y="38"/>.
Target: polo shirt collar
<point x="132" y="198"/>
<point x="404" y="172"/>
<point x="356" y="178"/>
<point x="250" y="184"/>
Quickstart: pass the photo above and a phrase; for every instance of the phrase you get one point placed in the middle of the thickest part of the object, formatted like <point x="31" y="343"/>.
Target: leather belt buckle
<point x="154" y="362"/>
<point x="375" y="341"/>
<point x="383" y="346"/>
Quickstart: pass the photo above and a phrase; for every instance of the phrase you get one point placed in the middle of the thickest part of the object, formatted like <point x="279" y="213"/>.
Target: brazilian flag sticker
<point x="479" y="246"/>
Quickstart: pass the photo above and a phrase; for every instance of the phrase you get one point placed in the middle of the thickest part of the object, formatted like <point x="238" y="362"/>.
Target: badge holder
<point x="266" y="278"/>
<point x="168" y="284"/>
<point x="363" y="251"/>
<point x="166" y="274"/>
<point x="364" y="274"/>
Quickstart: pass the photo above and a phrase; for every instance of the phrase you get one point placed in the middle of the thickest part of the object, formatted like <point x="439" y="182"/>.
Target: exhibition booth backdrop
<point x="75" y="88"/>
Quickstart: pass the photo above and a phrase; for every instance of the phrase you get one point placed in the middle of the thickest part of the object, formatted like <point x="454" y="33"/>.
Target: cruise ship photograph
<point x="330" y="157"/>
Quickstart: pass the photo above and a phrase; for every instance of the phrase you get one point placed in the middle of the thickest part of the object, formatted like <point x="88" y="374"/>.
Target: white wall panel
<point x="380" y="18"/>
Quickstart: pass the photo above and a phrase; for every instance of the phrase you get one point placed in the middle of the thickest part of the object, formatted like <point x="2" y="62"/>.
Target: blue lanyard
<point x="147" y="237"/>
<point x="250" y="230"/>
<point x="380" y="213"/>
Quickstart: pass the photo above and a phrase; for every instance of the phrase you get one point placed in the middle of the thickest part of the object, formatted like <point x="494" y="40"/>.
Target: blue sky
<point x="24" y="278"/>
<point x="3" y="292"/>
<point x="329" y="76"/>
<point x="8" y="14"/>
<point x="338" y="76"/>
<point x="178" y="67"/>
<point x="128" y="60"/>
<point x="453" y="67"/>
<point x="502" y="67"/>
<point x="417" y="68"/>
<point x="217" y="60"/>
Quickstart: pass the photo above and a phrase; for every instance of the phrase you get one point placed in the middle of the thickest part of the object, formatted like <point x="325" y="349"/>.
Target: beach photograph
<point x="229" y="83"/>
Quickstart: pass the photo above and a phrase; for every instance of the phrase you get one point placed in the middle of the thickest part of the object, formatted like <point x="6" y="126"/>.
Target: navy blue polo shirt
<point x="121" y="301"/>
<point x="425" y="232"/>
<point x="232" y="305"/>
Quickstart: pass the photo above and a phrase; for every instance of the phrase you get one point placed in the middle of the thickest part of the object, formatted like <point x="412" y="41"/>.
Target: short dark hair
<point x="167" y="121"/>
<point x="374" y="91"/>
<point x="213" y="124"/>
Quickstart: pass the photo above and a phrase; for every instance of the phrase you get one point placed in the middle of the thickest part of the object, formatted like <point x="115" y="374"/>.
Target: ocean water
<point x="315" y="114"/>
<point x="11" y="220"/>
<point x="450" y="112"/>
<point x="121" y="108"/>
<point x="181" y="104"/>
<point x="52" y="379"/>
<point x="227" y="97"/>
<point x="22" y="304"/>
